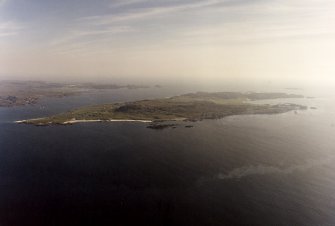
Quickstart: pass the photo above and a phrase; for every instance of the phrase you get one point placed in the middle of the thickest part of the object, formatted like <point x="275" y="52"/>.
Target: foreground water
<point x="247" y="170"/>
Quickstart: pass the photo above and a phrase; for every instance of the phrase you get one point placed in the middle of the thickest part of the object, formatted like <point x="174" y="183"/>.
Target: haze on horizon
<point x="288" y="41"/>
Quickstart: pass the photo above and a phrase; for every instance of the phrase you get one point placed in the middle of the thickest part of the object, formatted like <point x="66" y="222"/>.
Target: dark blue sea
<point x="239" y="170"/>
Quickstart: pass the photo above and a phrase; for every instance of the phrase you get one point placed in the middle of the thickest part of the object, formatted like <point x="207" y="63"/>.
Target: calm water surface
<point x="240" y="170"/>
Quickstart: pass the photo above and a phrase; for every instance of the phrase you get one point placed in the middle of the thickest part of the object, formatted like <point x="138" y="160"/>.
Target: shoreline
<point x="70" y="122"/>
<point x="24" y="121"/>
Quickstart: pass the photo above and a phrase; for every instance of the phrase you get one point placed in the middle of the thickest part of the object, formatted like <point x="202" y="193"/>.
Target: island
<point x="188" y="107"/>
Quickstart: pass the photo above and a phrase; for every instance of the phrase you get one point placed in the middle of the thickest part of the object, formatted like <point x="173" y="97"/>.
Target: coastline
<point x="70" y="122"/>
<point x="24" y="121"/>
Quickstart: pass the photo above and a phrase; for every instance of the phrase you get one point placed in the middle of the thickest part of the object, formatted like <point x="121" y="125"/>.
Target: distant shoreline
<point x="21" y="93"/>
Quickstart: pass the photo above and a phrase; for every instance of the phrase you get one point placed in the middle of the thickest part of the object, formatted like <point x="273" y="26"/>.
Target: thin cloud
<point x="77" y="34"/>
<point x="265" y="21"/>
<point x="123" y="3"/>
<point x="243" y="21"/>
<point x="143" y="13"/>
<point x="9" y="28"/>
<point x="82" y="40"/>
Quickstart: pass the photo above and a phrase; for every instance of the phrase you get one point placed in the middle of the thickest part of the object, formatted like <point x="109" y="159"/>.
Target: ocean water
<point x="239" y="170"/>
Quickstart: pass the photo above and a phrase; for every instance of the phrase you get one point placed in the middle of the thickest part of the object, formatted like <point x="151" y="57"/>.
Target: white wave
<point x="265" y="170"/>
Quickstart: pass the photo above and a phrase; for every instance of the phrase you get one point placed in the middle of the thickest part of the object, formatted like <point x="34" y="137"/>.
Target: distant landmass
<point x="293" y="88"/>
<point x="187" y="107"/>
<point x="17" y="93"/>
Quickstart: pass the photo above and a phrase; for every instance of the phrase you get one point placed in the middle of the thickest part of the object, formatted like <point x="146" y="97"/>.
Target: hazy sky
<point x="208" y="40"/>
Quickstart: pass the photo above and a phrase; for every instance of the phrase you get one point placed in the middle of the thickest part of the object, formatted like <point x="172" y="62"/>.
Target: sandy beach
<point x="90" y="120"/>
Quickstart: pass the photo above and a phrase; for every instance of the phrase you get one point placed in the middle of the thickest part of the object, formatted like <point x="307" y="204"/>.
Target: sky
<point x="169" y="40"/>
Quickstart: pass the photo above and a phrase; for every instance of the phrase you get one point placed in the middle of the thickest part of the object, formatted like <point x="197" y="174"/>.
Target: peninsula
<point x="187" y="107"/>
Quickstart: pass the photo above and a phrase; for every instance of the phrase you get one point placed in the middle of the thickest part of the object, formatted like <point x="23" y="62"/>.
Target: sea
<point x="240" y="170"/>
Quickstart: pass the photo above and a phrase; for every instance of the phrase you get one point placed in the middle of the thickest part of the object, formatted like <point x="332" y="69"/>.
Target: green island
<point x="187" y="107"/>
